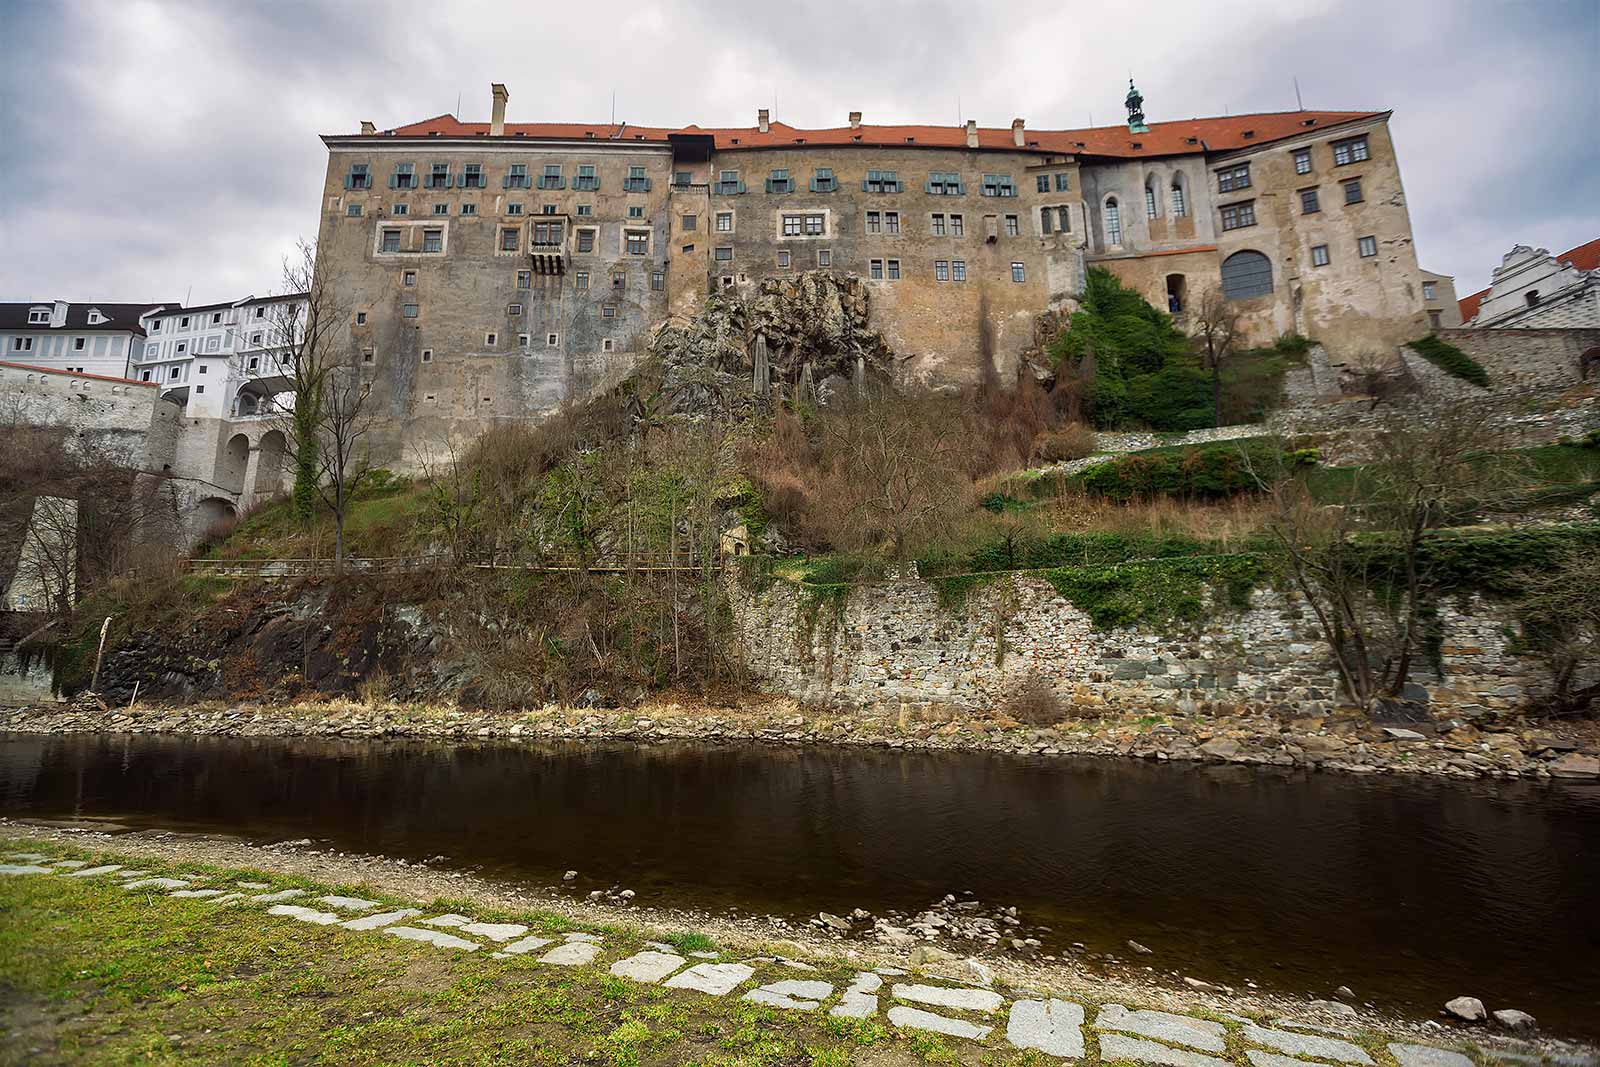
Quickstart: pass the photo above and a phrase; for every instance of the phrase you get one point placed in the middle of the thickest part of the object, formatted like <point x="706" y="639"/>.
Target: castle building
<point x="496" y="269"/>
<point x="82" y="338"/>
<point x="1532" y="289"/>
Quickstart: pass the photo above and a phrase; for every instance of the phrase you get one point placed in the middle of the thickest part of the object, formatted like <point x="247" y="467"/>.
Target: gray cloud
<point x="153" y="149"/>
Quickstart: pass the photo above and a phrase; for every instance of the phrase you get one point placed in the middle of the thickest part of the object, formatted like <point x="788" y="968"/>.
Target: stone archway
<point x="1589" y="363"/>
<point x="233" y="462"/>
<point x="211" y="515"/>
<point x="267" y="481"/>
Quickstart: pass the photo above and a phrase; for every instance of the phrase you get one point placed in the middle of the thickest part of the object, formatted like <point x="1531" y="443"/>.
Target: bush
<point x="1074" y="441"/>
<point x="1205" y="472"/>
<point x="1036" y="704"/>
<point x="1450" y="359"/>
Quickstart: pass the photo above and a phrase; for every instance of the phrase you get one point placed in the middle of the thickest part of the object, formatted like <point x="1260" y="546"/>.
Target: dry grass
<point x="1229" y="521"/>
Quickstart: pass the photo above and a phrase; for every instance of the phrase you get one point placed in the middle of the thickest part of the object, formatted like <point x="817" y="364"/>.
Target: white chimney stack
<point x="972" y="133"/>
<point x="497" y="123"/>
<point x="763" y="119"/>
<point x="1017" y="136"/>
<point x="368" y="127"/>
<point x="855" y="120"/>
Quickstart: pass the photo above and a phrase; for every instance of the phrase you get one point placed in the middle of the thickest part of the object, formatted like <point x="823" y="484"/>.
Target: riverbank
<point x="1340" y="742"/>
<point x="95" y="973"/>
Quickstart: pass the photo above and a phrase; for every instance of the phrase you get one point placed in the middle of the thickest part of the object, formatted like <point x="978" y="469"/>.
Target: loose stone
<point x="1117" y="1047"/>
<point x="1325" y="1048"/>
<point x="376" y="922"/>
<point x="794" y="993"/>
<point x="282" y="894"/>
<point x="305" y="915"/>
<point x="197" y="893"/>
<point x="156" y="883"/>
<point x="432" y="937"/>
<point x="947" y="997"/>
<point x="495" y="931"/>
<point x="1163" y="1026"/>
<point x="91" y="871"/>
<point x="23" y="868"/>
<point x="915" y="1019"/>
<point x="1426" y="1056"/>
<point x="717" y="979"/>
<point x="572" y="954"/>
<point x="1469" y="1009"/>
<point x="527" y="944"/>
<point x="349" y="903"/>
<point x="1054" y="1027"/>
<point x="648" y="967"/>
<point x="1518" y="1022"/>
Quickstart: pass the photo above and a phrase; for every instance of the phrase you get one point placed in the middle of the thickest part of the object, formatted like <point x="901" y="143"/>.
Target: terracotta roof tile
<point x="1584" y="257"/>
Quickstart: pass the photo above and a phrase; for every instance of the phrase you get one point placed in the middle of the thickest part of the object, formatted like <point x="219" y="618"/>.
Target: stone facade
<point x="1534" y="289"/>
<point x="892" y="645"/>
<point x="1439" y="301"/>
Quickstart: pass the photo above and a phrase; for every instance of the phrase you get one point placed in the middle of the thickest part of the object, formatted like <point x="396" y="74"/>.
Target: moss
<point x="1156" y="593"/>
<point x="1450" y="359"/>
<point x="953" y="590"/>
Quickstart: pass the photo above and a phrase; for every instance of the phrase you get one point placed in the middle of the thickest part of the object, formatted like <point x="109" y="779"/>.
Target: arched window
<point x="1180" y="203"/>
<point x="1245" y="275"/>
<point x="1113" y="222"/>
<point x="1045" y="219"/>
<point x="1150" y="197"/>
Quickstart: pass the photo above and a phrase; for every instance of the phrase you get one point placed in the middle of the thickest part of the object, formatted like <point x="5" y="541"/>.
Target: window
<point x="183" y="346"/>
<point x="391" y="241"/>
<point x="22" y="344"/>
<point x="608" y="311"/>
<point x="518" y="177"/>
<point x="580" y="279"/>
<point x="1113" y="222"/>
<point x="1309" y="204"/>
<point x="433" y="240"/>
<point x="183" y="323"/>
<point x="658" y="280"/>
<point x="77" y="343"/>
<point x="936" y="226"/>
<point x="1302" y="161"/>
<point x="881" y="181"/>
<point x="874" y="222"/>
<point x="894" y="270"/>
<point x="473" y="176"/>
<point x="823" y="181"/>
<point x="1013" y="226"/>
<point x="728" y="183"/>
<point x="491" y="339"/>
<point x="438" y="177"/>
<point x="619" y="279"/>
<point x="998" y="185"/>
<point x="361" y="318"/>
<point x="636" y="182"/>
<point x="724" y="253"/>
<point x="203" y="368"/>
<point x="783" y="259"/>
<point x="409" y="311"/>
<point x="941" y="270"/>
<point x="780" y="182"/>
<point x="638" y="242"/>
<point x="689" y="223"/>
<point x="1233" y="178"/>
<point x="724" y="222"/>
<point x="891" y="222"/>
<point x="1430" y="291"/>
<point x="1064" y="218"/>
<point x="510" y="238"/>
<point x="1352" y="191"/>
<point x="1237" y="216"/>
<point x="1061" y="182"/>
<point x="1368" y="246"/>
<point x="255" y="338"/>
<point x="404" y="176"/>
<point x="635" y="211"/>
<point x="803" y="225"/>
<point x="358" y="178"/>
<point x="586" y="179"/>
<point x="547" y="234"/>
<point x="1246" y="274"/>
<point x="606" y="344"/>
<point x="427" y="355"/>
<point x="174" y="374"/>
<point x="400" y="209"/>
<point x="875" y="269"/>
<point x="586" y="240"/>
<point x="353" y="211"/>
<point x="1353" y="150"/>
<point x="522" y="341"/>
<point x="513" y="310"/>
<point x="944" y="183"/>
<point x="681" y="179"/>
<point x="366" y="355"/>
<point x="1435" y="319"/>
<point x="1042" y="183"/>
<point x="514" y="209"/>
<point x="1018" y="272"/>
<point x="585" y="210"/>
<point x="1180" y="203"/>
<point x="1319" y="255"/>
<point x="551" y="178"/>
<point x="551" y="340"/>
<point x="824" y="257"/>
<point x="441" y="209"/>
<point x="145" y="377"/>
<point x="547" y="209"/>
<point x="1044" y="219"/>
<point x="956" y="225"/>
<point x="155" y="327"/>
<point x="469" y="209"/>
<point x="1149" y="201"/>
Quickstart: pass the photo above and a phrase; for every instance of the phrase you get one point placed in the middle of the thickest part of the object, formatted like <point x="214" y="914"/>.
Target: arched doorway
<point x="213" y="517"/>
<point x="232" y="463"/>
<point x="1177" y="293"/>
<point x="269" y="466"/>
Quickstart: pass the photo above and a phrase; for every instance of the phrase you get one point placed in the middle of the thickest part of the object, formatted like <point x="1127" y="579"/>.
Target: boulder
<point x="1576" y="765"/>
<point x="834" y="922"/>
<point x="1221" y="748"/>
<point x="1518" y="1022"/>
<point x="1467" y="1009"/>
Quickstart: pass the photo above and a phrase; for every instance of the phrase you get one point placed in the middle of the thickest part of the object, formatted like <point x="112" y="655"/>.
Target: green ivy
<point x="1450" y="359"/>
<point x="1201" y="472"/>
<point x="1158" y="592"/>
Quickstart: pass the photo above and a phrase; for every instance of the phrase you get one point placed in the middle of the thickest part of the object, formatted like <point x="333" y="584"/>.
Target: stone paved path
<point x="1053" y="1026"/>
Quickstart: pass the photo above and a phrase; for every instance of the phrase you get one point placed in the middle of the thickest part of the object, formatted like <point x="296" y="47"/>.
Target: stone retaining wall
<point x="891" y="645"/>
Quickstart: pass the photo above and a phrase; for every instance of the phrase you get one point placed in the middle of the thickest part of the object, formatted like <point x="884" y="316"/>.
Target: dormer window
<point x="404" y="176"/>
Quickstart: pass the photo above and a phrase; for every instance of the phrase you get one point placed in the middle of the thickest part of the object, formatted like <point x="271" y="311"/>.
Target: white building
<point x="1533" y="289"/>
<point x="101" y="339"/>
<point x="218" y="360"/>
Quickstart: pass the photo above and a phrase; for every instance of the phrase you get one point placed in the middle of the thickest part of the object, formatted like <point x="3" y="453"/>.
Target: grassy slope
<point x="377" y="523"/>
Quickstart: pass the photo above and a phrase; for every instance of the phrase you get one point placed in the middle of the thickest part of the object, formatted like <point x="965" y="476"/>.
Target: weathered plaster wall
<point x="893" y="645"/>
<point x="123" y="422"/>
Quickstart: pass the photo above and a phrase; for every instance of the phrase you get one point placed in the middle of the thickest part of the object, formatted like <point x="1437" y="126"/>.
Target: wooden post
<point x="94" y="683"/>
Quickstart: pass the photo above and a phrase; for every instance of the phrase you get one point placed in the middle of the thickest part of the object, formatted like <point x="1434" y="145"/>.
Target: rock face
<point x="1576" y="765"/>
<point x="1467" y="1009"/>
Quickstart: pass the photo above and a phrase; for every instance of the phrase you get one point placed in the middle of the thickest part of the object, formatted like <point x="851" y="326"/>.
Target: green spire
<point x="1135" y="102"/>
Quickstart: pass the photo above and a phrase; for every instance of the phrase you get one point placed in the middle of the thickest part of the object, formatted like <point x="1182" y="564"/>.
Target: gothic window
<point x="1113" y="222"/>
<point x="1180" y="203"/>
<point x="1150" y="199"/>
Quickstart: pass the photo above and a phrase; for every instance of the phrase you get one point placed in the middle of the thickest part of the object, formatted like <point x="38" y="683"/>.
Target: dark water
<point x="1410" y="892"/>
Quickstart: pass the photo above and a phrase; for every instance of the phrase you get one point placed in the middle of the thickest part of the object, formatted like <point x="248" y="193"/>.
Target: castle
<point x="497" y="269"/>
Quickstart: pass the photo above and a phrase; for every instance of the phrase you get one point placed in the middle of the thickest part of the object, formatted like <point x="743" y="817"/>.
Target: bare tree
<point x="1560" y="615"/>
<point x="1216" y="334"/>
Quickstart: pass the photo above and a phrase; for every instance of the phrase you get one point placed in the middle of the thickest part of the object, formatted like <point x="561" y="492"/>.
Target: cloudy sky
<point x="158" y="149"/>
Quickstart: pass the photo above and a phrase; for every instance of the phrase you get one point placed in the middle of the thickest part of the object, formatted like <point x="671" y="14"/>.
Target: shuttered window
<point x="1245" y="275"/>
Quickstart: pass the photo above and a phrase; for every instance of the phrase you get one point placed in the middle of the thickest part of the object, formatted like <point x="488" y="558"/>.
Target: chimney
<point x="1017" y="137"/>
<point x="497" y="124"/>
<point x="972" y="133"/>
<point x="855" y="120"/>
<point x="762" y="119"/>
<point x="367" y="127"/>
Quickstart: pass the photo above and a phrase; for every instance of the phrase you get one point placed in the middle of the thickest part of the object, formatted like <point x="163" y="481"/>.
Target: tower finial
<point x="1135" y="102"/>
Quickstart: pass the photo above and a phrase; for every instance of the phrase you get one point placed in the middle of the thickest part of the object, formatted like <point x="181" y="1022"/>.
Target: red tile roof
<point x="1584" y="257"/>
<point x="75" y="374"/>
<point x="1184" y="137"/>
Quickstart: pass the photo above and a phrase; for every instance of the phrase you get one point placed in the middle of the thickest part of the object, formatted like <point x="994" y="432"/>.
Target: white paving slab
<point x="495" y="931"/>
<point x="961" y="997"/>
<point x="1118" y="1047"/>
<point x="432" y="937"/>
<point x="571" y="954"/>
<point x="1054" y="1027"/>
<point x="382" y="919"/>
<point x="1163" y="1026"/>
<point x="156" y="883"/>
<point x="197" y="894"/>
<point x="89" y="872"/>
<point x="24" y="868"/>
<point x="27" y="857"/>
<point x="860" y="999"/>
<point x="717" y="979"/>
<point x="305" y="915"/>
<point x="349" y="903"/>
<point x="1322" y="1048"/>
<point x="133" y="874"/>
<point x="1426" y="1056"/>
<point x="916" y="1019"/>
<point x="1275" y="1059"/>
<point x="527" y="944"/>
<point x="282" y="894"/>
<point x="648" y="967"/>
<point x="796" y="994"/>
<point x="449" y="920"/>
<point x="69" y="865"/>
